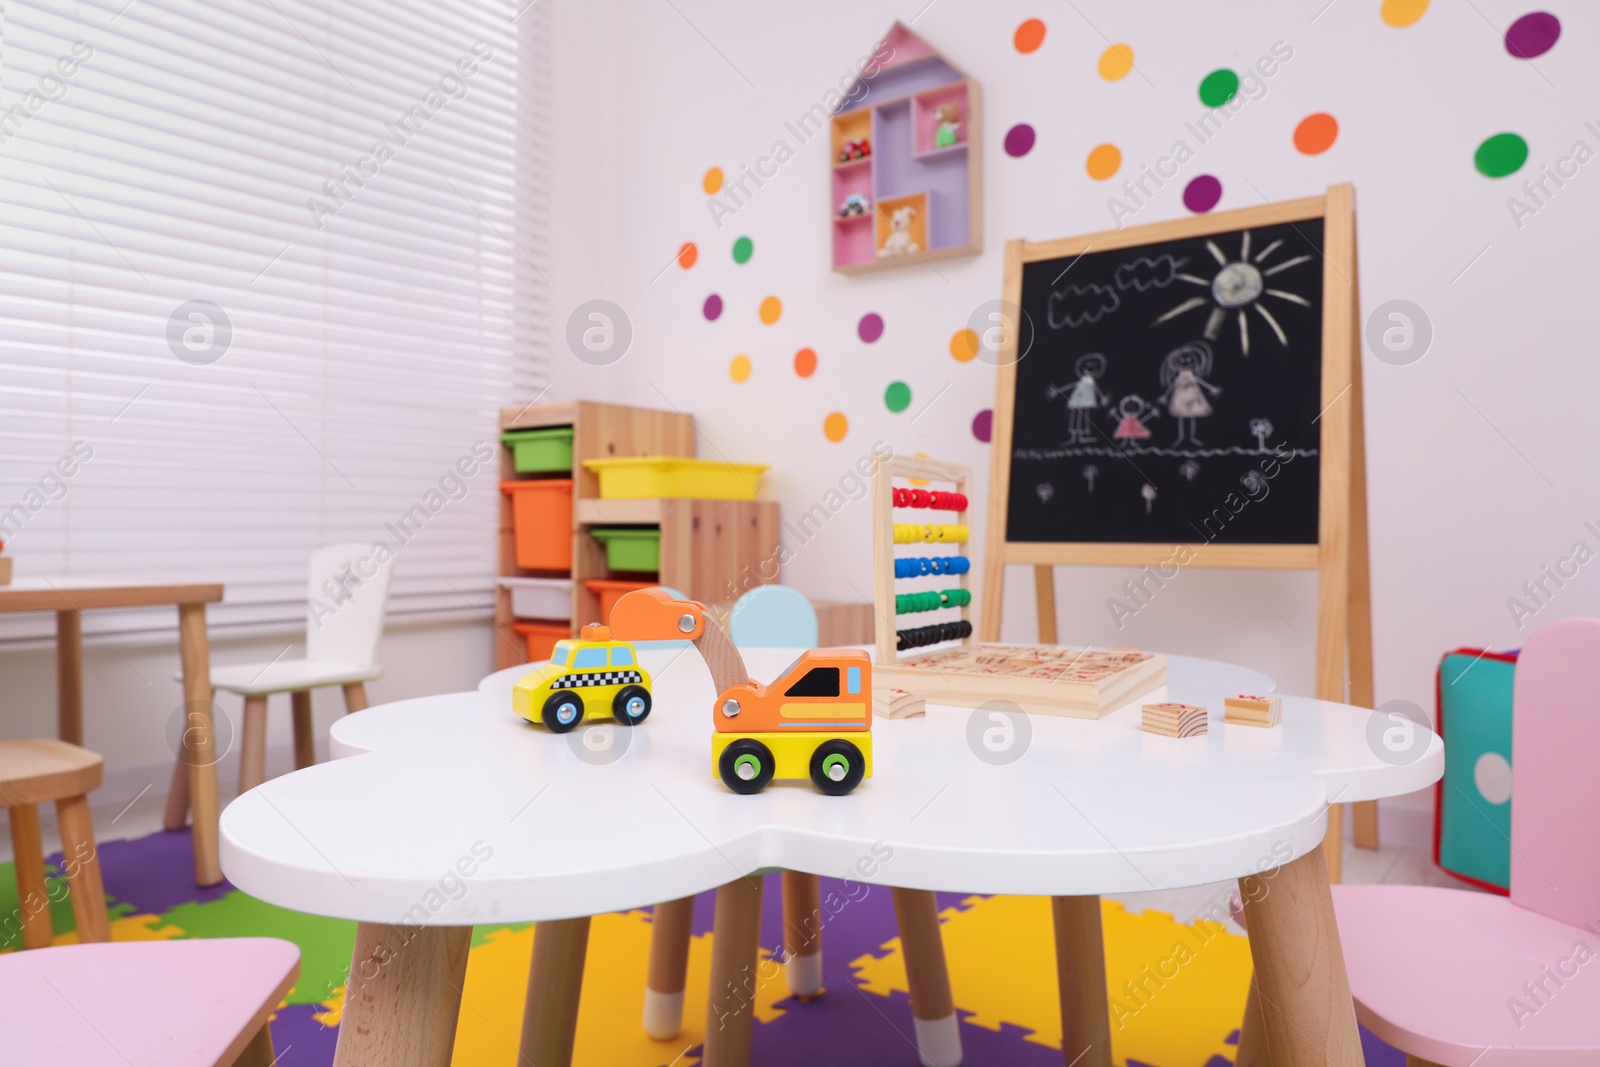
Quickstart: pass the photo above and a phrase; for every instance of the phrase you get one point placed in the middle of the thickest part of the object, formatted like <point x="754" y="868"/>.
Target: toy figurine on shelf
<point x="898" y="242"/>
<point x="588" y="677"/>
<point x="949" y="130"/>
<point x="854" y="204"/>
<point x="814" y="721"/>
<point x="855" y="149"/>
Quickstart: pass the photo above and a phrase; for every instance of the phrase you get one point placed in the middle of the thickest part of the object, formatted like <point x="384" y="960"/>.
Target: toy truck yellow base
<point x="834" y="762"/>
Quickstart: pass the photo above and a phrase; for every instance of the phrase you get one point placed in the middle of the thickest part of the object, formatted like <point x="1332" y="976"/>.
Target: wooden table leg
<point x="1252" y="1051"/>
<point x="200" y="740"/>
<point x="305" y="736"/>
<point x="555" y="980"/>
<point x="735" y="952"/>
<point x="1333" y="843"/>
<point x="1418" y="1061"/>
<point x="1309" y="1017"/>
<point x="253" y="744"/>
<point x="69" y="676"/>
<point x="671" y="928"/>
<point x="355" y="697"/>
<point x="933" y="1009"/>
<point x="404" y="996"/>
<point x="1081" y="975"/>
<point x="1364" y="823"/>
<point x="82" y="864"/>
<point x="33" y="898"/>
<point x="176" y="816"/>
<point x="1044" y="592"/>
<point x="802" y="934"/>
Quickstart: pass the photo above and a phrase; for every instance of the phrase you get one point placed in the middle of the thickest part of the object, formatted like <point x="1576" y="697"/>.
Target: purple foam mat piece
<point x="153" y="873"/>
<point x="299" y="1040"/>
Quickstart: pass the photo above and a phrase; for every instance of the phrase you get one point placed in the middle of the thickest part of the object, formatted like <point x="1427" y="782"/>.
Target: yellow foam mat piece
<point x="1177" y="990"/>
<point x="611" y="1011"/>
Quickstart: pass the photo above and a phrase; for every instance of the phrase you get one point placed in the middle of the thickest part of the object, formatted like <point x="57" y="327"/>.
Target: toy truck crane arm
<point x="653" y="615"/>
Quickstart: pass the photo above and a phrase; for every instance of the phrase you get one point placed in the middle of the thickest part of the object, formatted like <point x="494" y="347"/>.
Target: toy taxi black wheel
<point x="746" y="766"/>
<point x="631" y="705"/>
<point x="563" y="711"/>
<point x="837" y="767"/>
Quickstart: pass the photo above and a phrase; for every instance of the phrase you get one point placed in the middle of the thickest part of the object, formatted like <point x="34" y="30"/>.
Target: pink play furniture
<point x="1460" y="978"/>
<point x="189" y="1003"/>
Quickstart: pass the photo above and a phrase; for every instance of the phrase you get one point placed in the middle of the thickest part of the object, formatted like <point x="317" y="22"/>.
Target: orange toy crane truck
<point x="814" y="721"/>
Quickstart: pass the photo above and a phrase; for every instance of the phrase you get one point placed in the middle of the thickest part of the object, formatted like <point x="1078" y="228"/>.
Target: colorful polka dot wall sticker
<point x="919" y="482"/>
<point x="1218" y="87"/>
<point x="1402" y="13"/>
<point x="743" y="249"/>
<point x="1533" y="35"/>
<point x="870" y="328"/>
<point x="897" y="397"/>
<point x="983" y="425"/>
<point x="1500" y="155"/>
<point x="1029" y="36"/>
<point x="835" y="426"/>
<point x="687" y="255"/>
<point x="739" y="369"/>
<point x="1316" y="133"/>
<point x="771" y="309"/>
<point x="1115" y="62"/>
<point x="1202" y="194"/>
<point x="805" y="363"/>
<point x="963" y="345"/>
<point x="712" y="182"/>
<point x="712" y="308"/>
<point x="1019" y="140"/>
<point x="1103" y="162"/>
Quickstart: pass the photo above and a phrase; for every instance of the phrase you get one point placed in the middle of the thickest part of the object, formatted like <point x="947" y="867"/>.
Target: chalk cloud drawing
<point x="1145" y="273"/>
<point x="1240" y="285"/>
<point x="1079" y="305"/>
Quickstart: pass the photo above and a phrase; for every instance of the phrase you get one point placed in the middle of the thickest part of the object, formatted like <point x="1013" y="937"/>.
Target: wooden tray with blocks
<point x="1042" y="679"/>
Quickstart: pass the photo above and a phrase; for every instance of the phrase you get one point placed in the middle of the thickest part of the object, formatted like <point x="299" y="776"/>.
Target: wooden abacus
<point x="942" y="660"/>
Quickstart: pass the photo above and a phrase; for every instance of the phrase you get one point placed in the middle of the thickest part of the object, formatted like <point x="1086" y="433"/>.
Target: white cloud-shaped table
<point x="451" y="811"/>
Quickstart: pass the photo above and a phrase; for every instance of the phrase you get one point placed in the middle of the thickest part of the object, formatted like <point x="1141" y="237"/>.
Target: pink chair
<point x="189" y="1003"/>
<point x="1456" y="978"/>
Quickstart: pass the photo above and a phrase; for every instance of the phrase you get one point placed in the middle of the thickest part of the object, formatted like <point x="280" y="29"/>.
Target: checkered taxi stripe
<point x="582" y="681"/>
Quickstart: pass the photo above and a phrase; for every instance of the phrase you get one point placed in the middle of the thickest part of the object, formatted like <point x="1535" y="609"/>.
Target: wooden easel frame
<point x="1344" y="600"/>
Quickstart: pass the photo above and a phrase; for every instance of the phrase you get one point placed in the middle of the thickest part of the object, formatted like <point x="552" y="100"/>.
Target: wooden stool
<point x="32" y="772"/>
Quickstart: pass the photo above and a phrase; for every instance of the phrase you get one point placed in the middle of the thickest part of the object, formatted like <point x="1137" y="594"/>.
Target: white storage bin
<point x="540" y="598"/>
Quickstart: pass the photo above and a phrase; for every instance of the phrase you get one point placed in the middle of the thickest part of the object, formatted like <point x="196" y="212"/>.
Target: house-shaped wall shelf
<point x="906" y="184"/>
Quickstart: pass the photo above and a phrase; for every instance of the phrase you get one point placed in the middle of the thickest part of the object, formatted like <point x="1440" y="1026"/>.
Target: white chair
<point x="347" y="594"/>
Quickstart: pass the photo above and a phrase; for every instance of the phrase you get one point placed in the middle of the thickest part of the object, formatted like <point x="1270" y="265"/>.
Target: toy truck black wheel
<point x="746" y="766"/>
<point x="563" y="711"/>
<point x="631" y="705"/>
<point x="837" y="767"/>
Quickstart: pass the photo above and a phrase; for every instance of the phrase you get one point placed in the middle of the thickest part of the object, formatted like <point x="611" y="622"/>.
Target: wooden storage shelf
<point x="710" y="549"/>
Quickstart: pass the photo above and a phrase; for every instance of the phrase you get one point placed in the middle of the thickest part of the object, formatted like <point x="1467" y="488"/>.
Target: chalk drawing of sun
<point x="1239" y="286"/>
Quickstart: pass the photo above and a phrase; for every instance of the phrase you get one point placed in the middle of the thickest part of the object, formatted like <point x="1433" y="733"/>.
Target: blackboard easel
<point x="1339" y="551"/>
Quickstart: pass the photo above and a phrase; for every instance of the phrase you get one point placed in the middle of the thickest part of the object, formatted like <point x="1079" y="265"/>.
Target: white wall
<point x="1481" y="454"/>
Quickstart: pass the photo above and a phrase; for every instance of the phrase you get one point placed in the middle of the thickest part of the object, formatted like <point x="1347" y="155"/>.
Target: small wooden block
<point x="1174" y="720"/>
<point x="1249" y="710"/>
<point x="897" y="703"/>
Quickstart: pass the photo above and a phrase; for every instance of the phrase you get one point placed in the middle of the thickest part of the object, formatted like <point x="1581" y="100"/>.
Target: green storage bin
<point x="630" y="548"/>
<point x="547" y="451"/>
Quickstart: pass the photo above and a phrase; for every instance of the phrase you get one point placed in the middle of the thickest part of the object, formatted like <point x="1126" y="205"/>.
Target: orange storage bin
<point x="610" y="591"/>
<point x="541" y="636"/>
<point x="541" y="522"/>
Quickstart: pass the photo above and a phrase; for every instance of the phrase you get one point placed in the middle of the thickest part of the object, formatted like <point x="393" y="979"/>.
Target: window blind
<point x="268" y="270"/>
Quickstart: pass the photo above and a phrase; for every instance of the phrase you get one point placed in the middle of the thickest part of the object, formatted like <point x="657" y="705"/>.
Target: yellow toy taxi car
<point x="588" y="677"/>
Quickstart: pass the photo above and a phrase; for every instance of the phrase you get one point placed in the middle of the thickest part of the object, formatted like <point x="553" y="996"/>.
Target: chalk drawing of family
<point x="1183" y="373"/>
